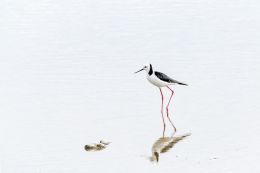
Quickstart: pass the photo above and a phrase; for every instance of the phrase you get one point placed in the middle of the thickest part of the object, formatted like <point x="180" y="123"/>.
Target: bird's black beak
<point x="139" y="70"/>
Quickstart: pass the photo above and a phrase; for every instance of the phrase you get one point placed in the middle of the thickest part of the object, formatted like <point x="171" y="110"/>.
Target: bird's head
<point x="146" y="67"/>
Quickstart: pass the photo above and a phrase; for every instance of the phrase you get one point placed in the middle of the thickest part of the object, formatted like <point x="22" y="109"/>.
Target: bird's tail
<point x="180" y="83"/>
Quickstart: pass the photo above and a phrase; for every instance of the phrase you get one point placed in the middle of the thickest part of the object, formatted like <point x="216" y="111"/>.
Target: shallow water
<point x="66" y="80"/>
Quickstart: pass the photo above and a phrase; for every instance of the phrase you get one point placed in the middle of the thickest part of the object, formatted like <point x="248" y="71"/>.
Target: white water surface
<point x="66" y="80"/>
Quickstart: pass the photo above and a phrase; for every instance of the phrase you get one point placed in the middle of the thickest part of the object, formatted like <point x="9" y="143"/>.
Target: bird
<point x="161" y="80"/>
<point x="97" y="146"/>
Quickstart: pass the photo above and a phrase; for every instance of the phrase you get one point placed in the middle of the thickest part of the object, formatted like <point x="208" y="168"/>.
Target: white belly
<point x="156" y="81"/>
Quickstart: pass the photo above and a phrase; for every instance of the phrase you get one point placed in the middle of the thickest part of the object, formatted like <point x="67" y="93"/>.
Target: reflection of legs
<point x="162" y="112"/>
<point x="168" y="111"/>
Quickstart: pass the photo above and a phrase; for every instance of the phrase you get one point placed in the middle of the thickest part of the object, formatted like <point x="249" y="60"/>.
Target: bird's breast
<point x="156" y="81"/>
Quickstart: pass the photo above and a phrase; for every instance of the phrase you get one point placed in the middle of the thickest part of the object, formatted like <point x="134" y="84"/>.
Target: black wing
<point x="166" y="78"/>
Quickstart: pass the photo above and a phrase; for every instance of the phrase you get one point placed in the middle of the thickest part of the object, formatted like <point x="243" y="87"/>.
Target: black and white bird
<point x="161" y="80"/>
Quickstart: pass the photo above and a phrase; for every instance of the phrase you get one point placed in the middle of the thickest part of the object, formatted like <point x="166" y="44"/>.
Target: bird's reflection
<point x="164" y="144"/>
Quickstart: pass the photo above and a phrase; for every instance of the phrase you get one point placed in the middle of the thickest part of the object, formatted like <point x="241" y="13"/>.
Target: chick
<point x="97" y="147"/>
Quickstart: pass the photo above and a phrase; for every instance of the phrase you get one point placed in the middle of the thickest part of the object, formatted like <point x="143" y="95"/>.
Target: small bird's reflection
<point x="164" y="144"/>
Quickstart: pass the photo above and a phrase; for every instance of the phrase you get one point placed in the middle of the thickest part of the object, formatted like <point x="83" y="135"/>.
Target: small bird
<point x="161" y="80"/>
<point x="97" y="147"/>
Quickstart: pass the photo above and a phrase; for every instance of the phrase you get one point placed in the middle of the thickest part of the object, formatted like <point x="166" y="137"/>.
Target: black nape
<point x="151" y="70"/>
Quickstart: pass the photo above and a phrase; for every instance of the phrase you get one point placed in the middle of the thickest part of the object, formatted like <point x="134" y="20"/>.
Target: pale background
<point x="66" y="80"/>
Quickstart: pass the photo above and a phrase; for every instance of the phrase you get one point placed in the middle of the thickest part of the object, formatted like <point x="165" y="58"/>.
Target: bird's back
<point x="165" y="78"/>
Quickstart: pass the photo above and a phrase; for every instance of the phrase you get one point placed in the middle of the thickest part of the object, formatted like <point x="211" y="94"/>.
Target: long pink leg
<point x="162" y="112"/>
<point x="168" y="110"/>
